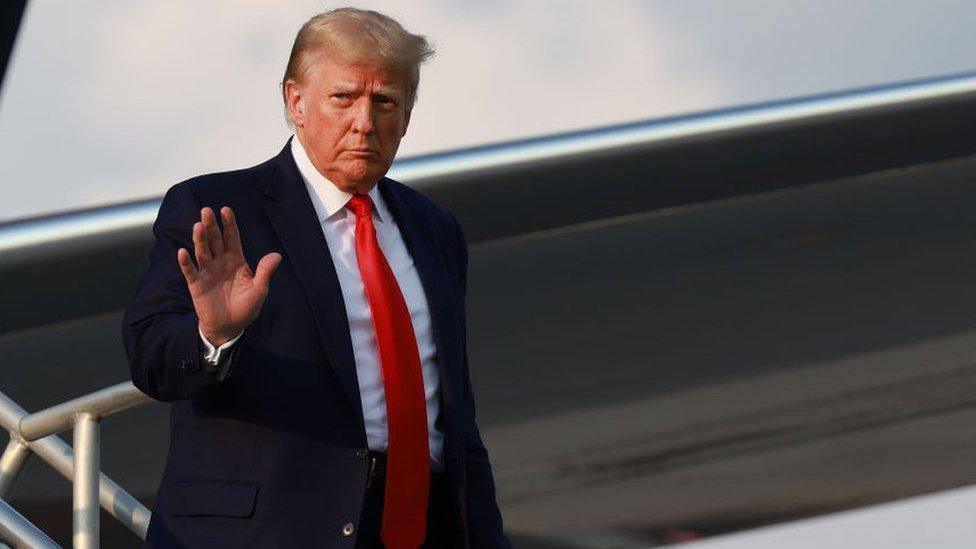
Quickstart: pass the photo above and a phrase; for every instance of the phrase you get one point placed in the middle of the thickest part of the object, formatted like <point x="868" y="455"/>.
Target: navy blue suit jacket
<point x="274" y="454"/>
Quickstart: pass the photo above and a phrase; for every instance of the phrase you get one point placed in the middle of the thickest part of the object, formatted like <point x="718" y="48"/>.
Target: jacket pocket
<point x="214" y="497"/>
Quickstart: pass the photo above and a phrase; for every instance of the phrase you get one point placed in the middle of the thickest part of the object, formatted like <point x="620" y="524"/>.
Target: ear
<point x="295" y="102"/>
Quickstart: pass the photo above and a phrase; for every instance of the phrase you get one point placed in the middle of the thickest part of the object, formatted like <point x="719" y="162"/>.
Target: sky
<point x="107" y="101"/>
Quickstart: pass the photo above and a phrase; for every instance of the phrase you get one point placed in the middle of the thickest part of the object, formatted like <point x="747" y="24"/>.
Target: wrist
<point x="215" y="337"/>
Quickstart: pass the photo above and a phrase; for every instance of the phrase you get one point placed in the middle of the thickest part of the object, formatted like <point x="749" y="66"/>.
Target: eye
<point x="385" y="100"/>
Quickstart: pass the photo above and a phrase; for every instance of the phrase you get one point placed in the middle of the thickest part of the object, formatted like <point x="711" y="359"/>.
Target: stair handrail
<point x="37" y="434"/>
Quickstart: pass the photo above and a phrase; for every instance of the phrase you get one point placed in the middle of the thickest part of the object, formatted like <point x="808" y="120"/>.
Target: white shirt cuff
<point x="211" y="354"/>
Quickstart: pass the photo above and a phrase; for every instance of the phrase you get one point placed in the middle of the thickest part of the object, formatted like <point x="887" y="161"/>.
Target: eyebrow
<point x="343" y="88"/>
<point x="389" y="91"/>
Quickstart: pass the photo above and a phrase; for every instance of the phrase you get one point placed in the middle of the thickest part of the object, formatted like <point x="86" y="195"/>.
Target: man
<point x="322" y="399"/>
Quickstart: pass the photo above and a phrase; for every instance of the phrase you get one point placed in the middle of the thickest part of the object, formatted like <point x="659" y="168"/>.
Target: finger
<point x="266" y="268"/>
<point x="189" y="270"/>
<point x="214" y="238"/>
<point x="201" y="249"/>
<point x="232" y="236"/>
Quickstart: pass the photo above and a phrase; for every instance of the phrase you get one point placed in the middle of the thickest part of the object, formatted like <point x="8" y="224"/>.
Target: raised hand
<point x="227" y="295"/>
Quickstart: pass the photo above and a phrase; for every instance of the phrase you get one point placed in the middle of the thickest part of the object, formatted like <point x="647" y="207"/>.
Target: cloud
<point x="534" y="68"/>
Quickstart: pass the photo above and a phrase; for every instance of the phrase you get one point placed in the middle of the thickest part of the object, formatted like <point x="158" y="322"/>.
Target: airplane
<point x="726" y="319"/>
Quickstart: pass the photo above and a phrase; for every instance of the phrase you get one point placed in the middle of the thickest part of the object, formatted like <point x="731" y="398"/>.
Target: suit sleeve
<point x="160" y="327"/>
<point x="485" y="527"/>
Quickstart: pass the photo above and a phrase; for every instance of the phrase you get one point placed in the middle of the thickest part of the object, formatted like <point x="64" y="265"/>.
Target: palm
<point x="227" y="294"/>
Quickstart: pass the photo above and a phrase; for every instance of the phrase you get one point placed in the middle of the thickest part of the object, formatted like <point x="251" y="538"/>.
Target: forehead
<point x="331" y="71"/>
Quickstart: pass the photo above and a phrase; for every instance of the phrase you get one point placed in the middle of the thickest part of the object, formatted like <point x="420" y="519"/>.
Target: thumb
<point x="266" y="268"/>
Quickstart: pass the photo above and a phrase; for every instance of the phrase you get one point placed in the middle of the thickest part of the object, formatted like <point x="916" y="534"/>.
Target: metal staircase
<point x="36" y="434"/>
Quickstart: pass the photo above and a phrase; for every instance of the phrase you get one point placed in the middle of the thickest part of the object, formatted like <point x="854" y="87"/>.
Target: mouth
<point x="362" y="152"/>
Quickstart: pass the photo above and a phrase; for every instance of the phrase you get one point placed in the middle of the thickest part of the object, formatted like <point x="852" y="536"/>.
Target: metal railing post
<point x="11" y="463"/>
<point x="85" y="507"/>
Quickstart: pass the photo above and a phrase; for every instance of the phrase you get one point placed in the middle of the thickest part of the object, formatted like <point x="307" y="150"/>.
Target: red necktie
<point x="408" y="453"/>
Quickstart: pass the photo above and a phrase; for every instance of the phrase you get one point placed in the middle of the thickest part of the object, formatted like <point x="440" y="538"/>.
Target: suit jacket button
<point x="361" y="453"/>
<point x="348" y="529"/>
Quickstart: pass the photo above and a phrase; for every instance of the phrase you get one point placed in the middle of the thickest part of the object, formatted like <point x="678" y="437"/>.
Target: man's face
<point x="350" y="118"/>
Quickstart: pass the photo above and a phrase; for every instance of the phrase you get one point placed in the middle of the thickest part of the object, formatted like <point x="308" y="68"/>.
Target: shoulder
<point x="180" y="206"/>
<point x="240" y="189"/>
<point x="440" y="217"/>
<point x="225" y="185"/>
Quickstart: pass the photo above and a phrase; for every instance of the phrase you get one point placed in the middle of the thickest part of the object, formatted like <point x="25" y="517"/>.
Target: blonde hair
<point x="353" y="34"/>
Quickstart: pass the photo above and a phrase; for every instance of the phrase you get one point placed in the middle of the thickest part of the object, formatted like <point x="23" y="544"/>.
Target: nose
<point x="363" y="116"/>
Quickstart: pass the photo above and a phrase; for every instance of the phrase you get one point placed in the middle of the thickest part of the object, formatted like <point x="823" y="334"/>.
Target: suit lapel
<point x="424" y="248"/>
<point x="293" y="217"/>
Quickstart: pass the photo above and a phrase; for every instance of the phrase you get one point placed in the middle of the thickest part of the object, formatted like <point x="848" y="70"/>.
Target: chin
<point x="361" y="181"/>
<point x="358" y="185"/>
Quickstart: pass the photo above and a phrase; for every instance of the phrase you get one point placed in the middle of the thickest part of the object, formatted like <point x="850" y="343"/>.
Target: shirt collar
<point x="326" y="196"/>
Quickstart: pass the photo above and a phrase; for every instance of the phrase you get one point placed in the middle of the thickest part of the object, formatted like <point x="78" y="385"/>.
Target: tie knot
<point x="360" y="204"/>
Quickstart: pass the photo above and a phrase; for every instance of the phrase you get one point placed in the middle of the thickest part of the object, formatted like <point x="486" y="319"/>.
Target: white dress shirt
<point x="339" y="227"/>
